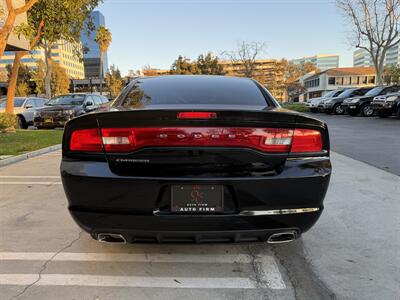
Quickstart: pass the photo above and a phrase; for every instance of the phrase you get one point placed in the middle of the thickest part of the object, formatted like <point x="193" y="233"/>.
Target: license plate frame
<point x="197" y="199"/>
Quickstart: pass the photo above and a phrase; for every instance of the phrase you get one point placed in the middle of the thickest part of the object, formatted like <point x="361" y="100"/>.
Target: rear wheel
<point x="383" y="114"/>
<point x="338" y="109"/>
<point x="21" y="124"/>
<point x="367" y="110"/>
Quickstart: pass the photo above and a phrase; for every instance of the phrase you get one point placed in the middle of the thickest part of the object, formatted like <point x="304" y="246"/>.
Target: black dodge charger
<point x="195" y="159"/>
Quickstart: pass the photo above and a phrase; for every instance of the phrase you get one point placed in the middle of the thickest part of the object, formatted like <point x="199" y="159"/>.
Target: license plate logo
<point x="197" y="199"/>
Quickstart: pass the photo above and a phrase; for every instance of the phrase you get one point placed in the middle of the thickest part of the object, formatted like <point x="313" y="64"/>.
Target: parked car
<point x="333" y="105"/>
<point x="361" y="105"/>
<point x="195" y="159"/>
<point x="61" y="109"/>
<point x="322" y="102"/>
<point x="24" y="109"/>
<point x="387" y="105"/>
<point x="312" y="104"/>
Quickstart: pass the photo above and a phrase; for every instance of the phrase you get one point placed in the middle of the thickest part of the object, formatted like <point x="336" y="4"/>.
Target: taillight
<point x="270" y="140"/>
<point x="306" y="140"/>
<point x="86" y="140"/>
<point x="118" y="140"/>
<point x="197" y="115"/>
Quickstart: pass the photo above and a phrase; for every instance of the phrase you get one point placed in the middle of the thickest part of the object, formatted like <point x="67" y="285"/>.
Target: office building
<point x="269" y="72"/>
<point x="321" y="61"/>
<point x="91" y="57"/>
<point x="361" y="57"/>
<point x="65" y="53"/>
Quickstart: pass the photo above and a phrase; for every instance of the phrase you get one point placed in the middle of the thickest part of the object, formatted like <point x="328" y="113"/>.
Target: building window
<point x="339" y="81"/>
<point x="371" y="79"/>
<point x="331" y="80"/>
<point x="346" y="80"/>
<point x="362" y="79"/>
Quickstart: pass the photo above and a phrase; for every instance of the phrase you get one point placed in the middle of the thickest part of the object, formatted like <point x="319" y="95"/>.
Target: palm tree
<point x="104" y="39"/>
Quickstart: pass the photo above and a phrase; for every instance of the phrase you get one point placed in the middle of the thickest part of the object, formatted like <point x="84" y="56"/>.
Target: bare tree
<point x="245" y="56"/>
<point x="376" y="27"/>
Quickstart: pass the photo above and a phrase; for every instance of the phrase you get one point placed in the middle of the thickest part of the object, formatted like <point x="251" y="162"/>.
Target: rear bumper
<point x="102" y="202"/>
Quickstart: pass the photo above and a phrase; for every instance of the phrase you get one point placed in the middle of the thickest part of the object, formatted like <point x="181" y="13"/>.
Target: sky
<point x="156" y="32"/>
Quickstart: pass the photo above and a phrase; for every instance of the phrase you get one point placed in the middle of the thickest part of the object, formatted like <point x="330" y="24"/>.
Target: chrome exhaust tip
<point x="111" y="238"/>
<point x="282" y="237"/>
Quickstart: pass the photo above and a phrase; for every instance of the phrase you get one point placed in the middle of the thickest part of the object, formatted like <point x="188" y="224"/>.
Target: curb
<point x="18" y="158"/>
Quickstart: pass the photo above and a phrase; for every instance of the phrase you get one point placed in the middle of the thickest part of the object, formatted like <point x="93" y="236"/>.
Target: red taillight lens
<point x="197" y="115"/>
<point x="86" y="140"/>
<point x="272" y="140"/>
<point x="306" y="140"/>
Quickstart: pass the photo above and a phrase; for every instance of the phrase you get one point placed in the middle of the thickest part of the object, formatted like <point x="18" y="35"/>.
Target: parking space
<point x="44" y="255"/>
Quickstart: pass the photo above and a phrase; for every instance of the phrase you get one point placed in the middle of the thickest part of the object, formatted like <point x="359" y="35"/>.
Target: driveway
<point x="351" y="253"/>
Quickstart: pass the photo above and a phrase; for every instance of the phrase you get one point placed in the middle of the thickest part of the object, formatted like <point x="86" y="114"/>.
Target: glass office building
<point x="91" y="57"/>
<point x="361" y="58"/>
<point x="321" y="61"/>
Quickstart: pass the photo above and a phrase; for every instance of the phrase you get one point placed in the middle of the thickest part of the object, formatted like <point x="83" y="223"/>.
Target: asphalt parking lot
<point x="351" y="253"/>
<point x="372" y="140"/>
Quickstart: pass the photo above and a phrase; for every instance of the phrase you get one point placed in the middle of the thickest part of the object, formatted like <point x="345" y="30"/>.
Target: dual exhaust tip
<point x="276" y="238"/>
<point x="282" y="237"/>
<point x="111" y="238"/>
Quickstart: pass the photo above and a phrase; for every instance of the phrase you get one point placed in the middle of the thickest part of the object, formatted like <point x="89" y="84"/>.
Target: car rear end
<point x="196" y="175"/>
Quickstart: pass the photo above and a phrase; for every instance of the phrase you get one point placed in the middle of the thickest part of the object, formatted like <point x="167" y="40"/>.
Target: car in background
<point x="61" y="109"/>
<point x="362" y="105"/>
<point x="322" y="102"/>
<point x="387" y="105"/>
<point x="312" y="104"/>
<point x="333" y="105"/>
<point x="24" y="109"/>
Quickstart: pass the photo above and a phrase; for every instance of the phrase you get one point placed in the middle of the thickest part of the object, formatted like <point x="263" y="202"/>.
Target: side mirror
<point x="28" y="106"/>
<point x="89" y="105"/>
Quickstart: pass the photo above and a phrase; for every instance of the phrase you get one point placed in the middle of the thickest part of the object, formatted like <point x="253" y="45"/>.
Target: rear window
<point x="195" y="90"/>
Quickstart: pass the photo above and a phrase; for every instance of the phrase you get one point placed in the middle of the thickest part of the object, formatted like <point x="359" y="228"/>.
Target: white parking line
<point x="131" y="257"/>
<point x="127" y="281"/>
<point x="270" y="272"/>
<point x="29" y="183"/>
<point x="29" y="176"/>
<point x="271" y="275"/>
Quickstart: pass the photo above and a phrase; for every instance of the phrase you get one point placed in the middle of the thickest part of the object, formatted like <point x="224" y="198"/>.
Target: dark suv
<point x="387" y="105"/>
<point x="362" y="105"/>
<point x="333" y="105"/>
<point x="61" y="109"/>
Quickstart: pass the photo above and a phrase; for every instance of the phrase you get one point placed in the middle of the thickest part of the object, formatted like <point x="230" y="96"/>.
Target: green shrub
<point x="7" y="121"/>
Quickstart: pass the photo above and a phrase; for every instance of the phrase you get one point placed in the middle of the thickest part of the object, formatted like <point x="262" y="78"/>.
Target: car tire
<point x="366" y="111"/>
<point x="398" y="113"/>
<point x="338" y="110"/>
<point x="314" y="110"/>
<point x="383" y="114"/>
<point x="21" y="123"/>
